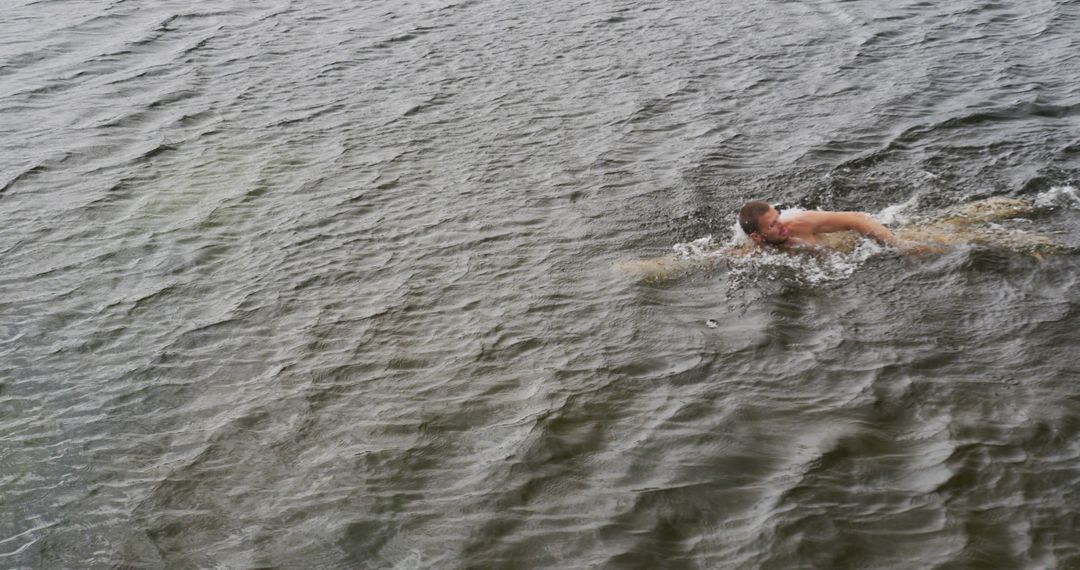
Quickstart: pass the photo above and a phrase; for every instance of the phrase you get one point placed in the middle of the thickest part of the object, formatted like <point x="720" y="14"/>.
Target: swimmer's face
<point x="770" y="229"/>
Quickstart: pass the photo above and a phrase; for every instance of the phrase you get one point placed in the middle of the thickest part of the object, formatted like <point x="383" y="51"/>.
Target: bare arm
<point x="865" y="224"/>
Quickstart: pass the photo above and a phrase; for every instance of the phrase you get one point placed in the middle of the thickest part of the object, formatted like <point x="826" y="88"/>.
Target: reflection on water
<point x="327" y="285"/>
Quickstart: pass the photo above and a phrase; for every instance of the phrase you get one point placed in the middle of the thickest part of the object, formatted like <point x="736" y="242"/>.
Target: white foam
<point x="898" y="213"/>
<point x="810" y="266"/>
<point x="700" y="248"/>
<point x="738" y="237"/>
<point x="1058" y="196"/>
<point x="813" y="266"/>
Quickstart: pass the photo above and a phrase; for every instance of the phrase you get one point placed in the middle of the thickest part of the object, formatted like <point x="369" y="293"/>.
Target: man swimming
<point x="813" y="230"/>
<point x="762" y="224"/>
<point x="841" y="232"/>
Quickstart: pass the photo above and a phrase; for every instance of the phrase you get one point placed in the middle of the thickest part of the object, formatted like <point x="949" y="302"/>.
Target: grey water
<point x="318" y="284"/>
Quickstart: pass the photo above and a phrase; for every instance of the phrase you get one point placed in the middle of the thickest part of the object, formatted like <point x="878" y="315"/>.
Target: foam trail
<point x="1058" y="196"/>
<point x="898" y="213"/>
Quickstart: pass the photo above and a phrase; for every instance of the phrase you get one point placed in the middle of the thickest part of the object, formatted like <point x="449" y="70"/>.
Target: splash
<point x="898" y="213"/>
<point x="806" y="267"/>
<point x="993" y="222"/>
<point x="1058" y="197"/>
<point x="842" y="254"/>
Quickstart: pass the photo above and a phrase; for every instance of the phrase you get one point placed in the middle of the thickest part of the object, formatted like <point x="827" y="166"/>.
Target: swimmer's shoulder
<point x="802" y="222"/>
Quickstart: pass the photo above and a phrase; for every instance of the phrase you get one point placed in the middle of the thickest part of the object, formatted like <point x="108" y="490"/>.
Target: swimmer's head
<point x="761" y="223"/>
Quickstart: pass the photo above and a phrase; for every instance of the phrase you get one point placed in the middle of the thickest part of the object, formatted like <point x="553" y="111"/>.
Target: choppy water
<point x="303" y="284"/>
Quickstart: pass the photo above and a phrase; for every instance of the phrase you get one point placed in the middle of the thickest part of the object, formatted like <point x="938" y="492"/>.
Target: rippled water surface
<point x="318" y="284"/>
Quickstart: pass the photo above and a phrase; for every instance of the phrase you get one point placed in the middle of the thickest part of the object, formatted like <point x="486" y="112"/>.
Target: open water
<point x="314" y="284"/>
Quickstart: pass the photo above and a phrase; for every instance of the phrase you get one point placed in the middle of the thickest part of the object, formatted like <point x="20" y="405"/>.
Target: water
<point x="314" y="285"/>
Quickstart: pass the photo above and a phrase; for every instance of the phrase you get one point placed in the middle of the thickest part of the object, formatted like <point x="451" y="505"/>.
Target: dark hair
<point x="749" y="215"/>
